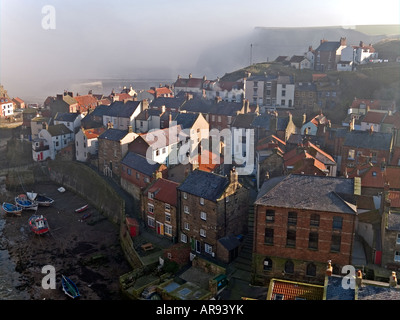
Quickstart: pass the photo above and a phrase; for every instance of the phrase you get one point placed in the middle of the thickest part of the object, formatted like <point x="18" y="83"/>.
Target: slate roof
<point x="66" y="116"/>
<point x="371" y="292"/>
<point x="243" y="120"/>
<point x="335" y="290"/>
<point x="186" y="120"/>
<point x="113" y="134"/>
<point x="169" y="103"/>
<point x="121" y="109"/>
<point x="58" y="130"/>
<point x="368" y="140"/>
<point x="203" y="184"/>
<point x="309" y="192"/>
<point x="229" y="242"/>
<point x="328" y="46"/>
<point x="139" y="163"/>
<point x="262" y="121"/>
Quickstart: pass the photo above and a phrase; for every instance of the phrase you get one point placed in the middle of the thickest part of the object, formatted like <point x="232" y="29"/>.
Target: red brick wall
<point x="301" y="250"/>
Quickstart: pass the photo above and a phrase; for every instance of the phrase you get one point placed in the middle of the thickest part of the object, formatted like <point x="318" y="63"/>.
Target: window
<point x="168" y="229"/>
<point x="186" y="209"/>
<point x="150" y="195"/>
<point x="167" y="207"/>
<point x="157" y="152"/>
<point x="267" y="264"/>
<point x="313" y="240"/>
<point x="292" y="218"/>
<point x="278" y="296"/>
<point x="203" y="233"/>
<point x="167" y="217"/>
<point x="219" y="118"/>
<point x="337" y="223"/>
<point x="314" y="220"/>
<point x="208" y="248"/>
<point x="151" y="222"/>
<point x="183" y="238"/>
<point x="129" y="171"/>
<point x="269" y="236"/>
<point x="184" y="195"/>
<point x="374" y="158"/>
<point x="351" y="154"/>
<point x="335" y="243"/>
<point x="203" y="215"/>
<point x="137" y="175"/>
<point x="227" y="199"/>
<point x="150" y="208"/>
<point x="146" y="179"/>
<point x="202" y="201"/>
<point x="186" y="226"/>
<point x="311" y="270"/>
<point x="270" y="216"/>
<point x="291" y="238"/>
<point x="289" y="266"/>
<point x="163" y="150"/>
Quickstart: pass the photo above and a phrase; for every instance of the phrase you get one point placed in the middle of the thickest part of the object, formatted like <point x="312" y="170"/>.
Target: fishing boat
<point x="69" y="287"/>
<point x="26" y="204"/>
<point x="41" y="199"/>
<point x="38" y="224"/>
<point x="12" y="208"/>
<point x="81" y="209"/>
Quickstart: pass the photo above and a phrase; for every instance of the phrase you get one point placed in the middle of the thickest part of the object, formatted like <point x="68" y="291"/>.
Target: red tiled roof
<point x="394" y="197"/>
<point x="214" y="160"/>
<point x="292" y="290"/>
<point x="93" y="133"/>
<point x="374" y="117"/>
<point x="86" y="100"/>
<point x="165" y="191"/>
<point x="318" y="76"/>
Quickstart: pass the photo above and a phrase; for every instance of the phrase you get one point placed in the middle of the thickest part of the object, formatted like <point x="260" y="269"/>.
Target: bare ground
<point x="86" y="251"/>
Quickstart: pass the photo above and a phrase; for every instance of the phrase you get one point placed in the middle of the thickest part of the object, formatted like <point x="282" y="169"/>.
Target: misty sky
<point x="147" y="38"/>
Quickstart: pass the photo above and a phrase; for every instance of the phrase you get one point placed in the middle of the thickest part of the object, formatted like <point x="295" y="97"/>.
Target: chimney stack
<point x="329" y="269"/>
<point x="233" y="177"/>
<point x="393" y="280"/>
<point x="359" y="278"/>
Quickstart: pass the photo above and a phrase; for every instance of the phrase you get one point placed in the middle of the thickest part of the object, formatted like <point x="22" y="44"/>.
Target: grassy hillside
<point x="371" y="81"/>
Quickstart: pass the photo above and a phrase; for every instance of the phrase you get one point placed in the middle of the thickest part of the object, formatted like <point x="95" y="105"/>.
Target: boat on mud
<point x="12" y="208"/>
<point x="82" y="209"/>
<point x="41" y="199"/>
<point x="69" y="287"/>
<point x="38" y="224"/>
<point x="26" y="204"/>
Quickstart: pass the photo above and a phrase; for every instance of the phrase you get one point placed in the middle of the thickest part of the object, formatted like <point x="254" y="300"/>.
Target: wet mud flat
<point x="85" y="250"/>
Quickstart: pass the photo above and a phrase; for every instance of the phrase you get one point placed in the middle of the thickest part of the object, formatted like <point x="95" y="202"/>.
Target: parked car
<point x="150" y="293"/>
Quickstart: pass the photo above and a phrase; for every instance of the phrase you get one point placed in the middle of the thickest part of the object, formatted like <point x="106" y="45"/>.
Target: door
<point x="160" y="228"/>
<point x="198" y="246"/>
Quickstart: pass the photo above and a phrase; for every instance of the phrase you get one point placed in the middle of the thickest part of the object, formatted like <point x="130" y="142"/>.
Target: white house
<point x="7" y="109"/>
<point x="86" y="143"/>
<point x="122" y="115"/>
<point x="71" y="120"/>
<point x="51" y="140"/>
<point x="344" y="65"/>
<point x="285" y="92"/>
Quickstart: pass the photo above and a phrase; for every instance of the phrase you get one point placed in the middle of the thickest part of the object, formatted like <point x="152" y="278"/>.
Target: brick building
<point x="159" y="202"/>
<point x="137" y="173"/>
<point x="301" y="222"/>
<point x="211" y="207"/>
<point x="113" y="146"/>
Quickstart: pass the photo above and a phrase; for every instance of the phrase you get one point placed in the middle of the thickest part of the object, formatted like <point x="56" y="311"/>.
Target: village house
<point x="315" y="126"/>
<point x="149" y="119"/>
<point x="71" y="120"/>
<point x="159" y="208"/>
<point x="85" y="103"/>
<point x="261" y="90"/>
<point x="300" y="62"/>
<point x="328" y="54"/>
<point x="121" y="115"/>
<point x="212" y="207"/>
<point x="27" y="115"/>
<point x="18" y="103"/>
<point x="37" y="124"/>
<point x="113" y="146"/>
<point x="190" y="84"/>
<point x="94" y="119"/>
<point x="364" y="146"/>
<point x="50" y="141"/>
<point x="161" y="146"/>
<point x="6" y="107"/>
<point x="285" y="92"/>
<point x="63" y="103"/>
<point x="231" y="91"/>
<point x="307" y="158"/>
<point x="328" y="91"/>
<point x="137" y="173"/>
<point x="172" y="104"/>
<point x="162" y="91"/>
<point x="86" y="143"/>
<point x="301" y="222"/>
<point x="305" y="96"/>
